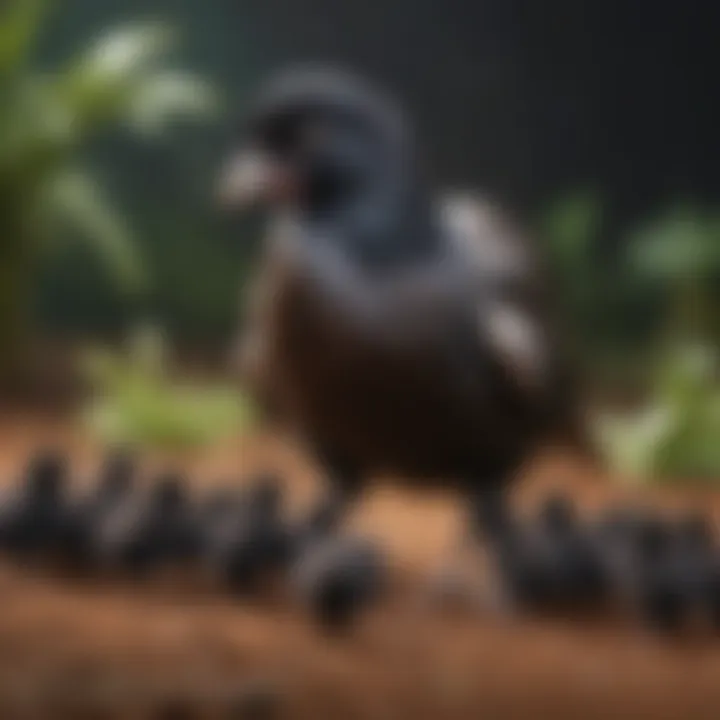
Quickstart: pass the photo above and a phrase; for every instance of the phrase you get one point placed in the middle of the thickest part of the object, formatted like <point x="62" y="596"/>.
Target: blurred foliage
<point x="679" y="254"/>
<point x="136" y="401"/>
<point x="48" y="196"/>
<point x="661" y="283"/>
<point x="671" y="266"/>
<point x="571" y="230"/>
<point x="675" y="434"/>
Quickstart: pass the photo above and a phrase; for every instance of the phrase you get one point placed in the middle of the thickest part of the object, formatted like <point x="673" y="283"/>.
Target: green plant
<point x="668" y="267"/>
<point x="680" y="252"/>
<point x="136" y="401"/>
<point x="47" y="196"/>
<point x="586" y="286"/>
<point x="570" y="228"/>
<point x="677" y="433"/>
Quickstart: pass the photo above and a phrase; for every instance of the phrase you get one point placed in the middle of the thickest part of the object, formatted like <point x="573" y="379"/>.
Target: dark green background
<point x="524" y="98"/>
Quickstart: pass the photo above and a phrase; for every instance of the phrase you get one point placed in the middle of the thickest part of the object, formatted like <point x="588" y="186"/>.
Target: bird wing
<point x="510" y="314"/>
<point x="516" y="313"/>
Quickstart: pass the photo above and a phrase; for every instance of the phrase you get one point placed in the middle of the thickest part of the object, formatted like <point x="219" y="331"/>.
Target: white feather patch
<point x="516" y="339"/>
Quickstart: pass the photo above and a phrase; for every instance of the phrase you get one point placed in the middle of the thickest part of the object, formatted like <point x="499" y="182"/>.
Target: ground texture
<point x="175" y="649"/>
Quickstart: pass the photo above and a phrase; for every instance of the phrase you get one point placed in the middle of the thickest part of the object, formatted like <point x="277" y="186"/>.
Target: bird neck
<point x="386" y="227"/>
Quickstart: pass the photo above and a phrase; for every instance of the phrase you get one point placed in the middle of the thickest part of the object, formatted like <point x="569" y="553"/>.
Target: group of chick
<point x="659" y="569"/>
<point x="239" y="538"/>
<point x="662" y="570"/>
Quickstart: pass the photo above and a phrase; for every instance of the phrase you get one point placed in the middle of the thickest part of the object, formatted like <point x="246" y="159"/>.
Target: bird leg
<point x="345" y="483"/>
<point x="491" y="528"/>
<point x="472" y="574"/>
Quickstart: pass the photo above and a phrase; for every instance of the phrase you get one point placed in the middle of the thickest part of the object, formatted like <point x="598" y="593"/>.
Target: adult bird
<point x="392" y="330"/>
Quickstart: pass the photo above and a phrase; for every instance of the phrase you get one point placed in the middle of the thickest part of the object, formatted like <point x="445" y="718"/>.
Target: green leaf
<point x="20" y="24"/>
<point x="676" y="433"/>
<point x="75" y="199"/>
<point x="166" y="96"/>
<point x="136" y="401"/>
<point x="571" y="226"/>
<point x="684" y="243"/>
<point x="100" y="86"/>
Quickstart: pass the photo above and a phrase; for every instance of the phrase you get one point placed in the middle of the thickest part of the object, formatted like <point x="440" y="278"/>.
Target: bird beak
<point x="252" y="177"/>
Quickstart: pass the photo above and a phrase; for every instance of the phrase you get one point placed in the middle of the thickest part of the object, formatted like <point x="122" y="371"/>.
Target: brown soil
<point x="72" y="649"/>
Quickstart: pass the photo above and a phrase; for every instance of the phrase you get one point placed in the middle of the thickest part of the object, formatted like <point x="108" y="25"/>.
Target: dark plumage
<point x="621" y="525"/>
<point x="222" y="503"/>
<point x="31" y="519"/>
<point x="338" y="578"/>
<point x="83" y="523"/>
<point x="394" y="332"/>
<point x="554" y="562"/>
<point x="246" y="546"/>
<point x="154" y="531"/>
<point x="665" y="587"/>
<point x="699" y="562"/>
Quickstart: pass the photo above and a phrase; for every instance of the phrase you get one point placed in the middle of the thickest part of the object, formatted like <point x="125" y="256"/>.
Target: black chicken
<point x="392" y="331"/>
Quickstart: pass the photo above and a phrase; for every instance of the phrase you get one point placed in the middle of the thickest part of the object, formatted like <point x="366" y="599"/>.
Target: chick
<point x="582" y="565"/>
<point x="31" y="519"/>
<point x="339" y="578"/>
<point x="665" y="588"/>
<point x="159" y="530"/>
<point x="552" y="563"/>
<point x="251" y="543"/>
<point x="700" y="560"/>
<point x="78" y="545"/>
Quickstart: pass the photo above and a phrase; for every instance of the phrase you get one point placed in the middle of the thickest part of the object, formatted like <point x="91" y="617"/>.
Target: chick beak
<point x="252" y="177"/>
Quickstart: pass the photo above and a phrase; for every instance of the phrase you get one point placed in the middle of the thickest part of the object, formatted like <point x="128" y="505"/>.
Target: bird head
<point x="314" y="139"/>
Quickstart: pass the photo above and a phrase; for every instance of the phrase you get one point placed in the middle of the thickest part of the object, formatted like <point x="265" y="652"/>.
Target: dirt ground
<point x="72" y="649"/>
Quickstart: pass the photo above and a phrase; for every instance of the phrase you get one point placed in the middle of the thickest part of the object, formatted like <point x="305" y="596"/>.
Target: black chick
<point x="553" y="563"/>
<point x="161" y="530"/>
<point x="339" y="578"/>
<point x="583" y="568"/>
<point x="700" y="560"/>
<point x="85" y="519"/>
<point x="251" y="543"/>
<point x="31" y="520"/>
<point x="395" y="332"/>
<point x="617" y="534"/>
<point x="666" y="587"/>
